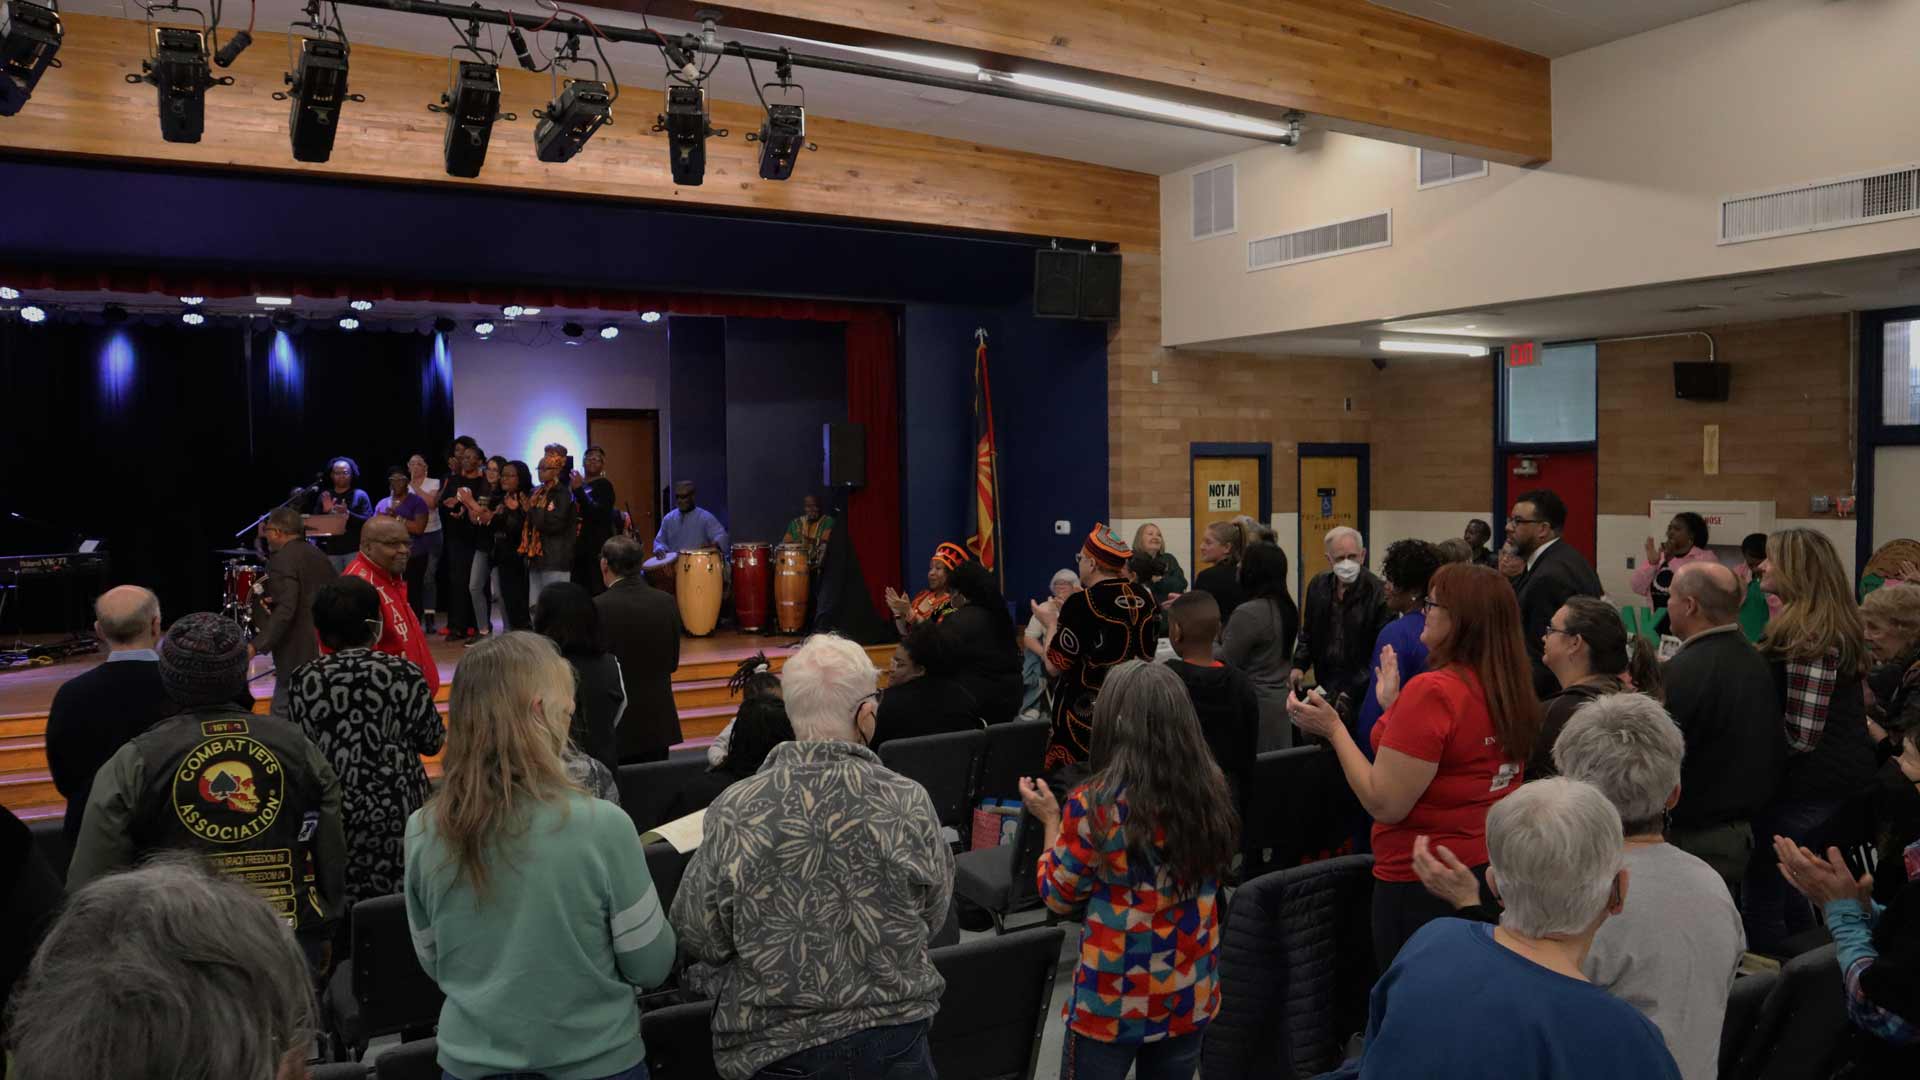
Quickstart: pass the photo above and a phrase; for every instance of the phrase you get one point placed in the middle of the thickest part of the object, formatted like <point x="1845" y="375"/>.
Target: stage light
<point x="193" y="301"/>
<point x="349" y="323"/>
<point x="782" y="135"/>
<point x="1438" y="348"/>
<point x="483" y="328"/>
<point x="649" y="317"/>
<point x="472" y="104"/>
<point x="179" y="71"/>
<point x="113" y="314"/>
<point x="319" y="90"/>
<point x="513" y="311"/>
<point x="192" y="318"/>
<point x="608" y="333"/>
<point x="285" y="320"/>
<point x="573" y="330"/>
<point x="583" y="107"/>
<point x="444" y="325"/>
<point x="30" y="36"/>
<point x="360" y="305"/>
<point x="9" y="293"/>
<point x="687" y="128"/>
<point x="33" y="314"/>
<point x="273" y="301"/>
<point x="530" y="312"/>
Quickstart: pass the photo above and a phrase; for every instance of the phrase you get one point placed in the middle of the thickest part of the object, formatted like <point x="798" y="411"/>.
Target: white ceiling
<point x="1138" y="145"/>
<point x="1556" y="27"/>
<point x="1860" y="285"/>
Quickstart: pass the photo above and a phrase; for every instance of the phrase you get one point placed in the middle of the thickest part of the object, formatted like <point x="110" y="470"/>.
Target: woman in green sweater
<point x="529" y="899"/>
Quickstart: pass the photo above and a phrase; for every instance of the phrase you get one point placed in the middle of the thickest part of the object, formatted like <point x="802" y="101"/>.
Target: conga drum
<point x="752" y="574"/>
<point x="660" y="573"/>
<point x="790" y="577"/>
<point x="698" y="591"/>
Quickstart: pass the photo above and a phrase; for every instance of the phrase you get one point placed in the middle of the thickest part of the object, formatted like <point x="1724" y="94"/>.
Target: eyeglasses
<point x="1557" y="630"/>
<point x="1429" y="606"/>
<point x="1526" y="521"/>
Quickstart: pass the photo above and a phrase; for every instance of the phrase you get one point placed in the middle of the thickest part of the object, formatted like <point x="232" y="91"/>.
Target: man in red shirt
<point x="382" y="562"/>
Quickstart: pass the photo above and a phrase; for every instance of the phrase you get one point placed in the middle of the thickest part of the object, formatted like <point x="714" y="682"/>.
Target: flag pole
<point x="993" y="462"/>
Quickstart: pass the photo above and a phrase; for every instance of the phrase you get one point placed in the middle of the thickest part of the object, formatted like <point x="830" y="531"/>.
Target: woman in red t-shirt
<point x="1449" y="746"/>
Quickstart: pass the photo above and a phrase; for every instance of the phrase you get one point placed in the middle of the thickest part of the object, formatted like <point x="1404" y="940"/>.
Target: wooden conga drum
<point x="791" y="575"/>
<point x="660" y="573"/>
<point x="752" y="574"/>
<point x="698" y="589"/>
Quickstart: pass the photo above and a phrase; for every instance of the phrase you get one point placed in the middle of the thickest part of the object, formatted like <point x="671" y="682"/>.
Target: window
<point x="1553" y="400"/>
<point x="1435" y="168"/>
<point x="1214" y="202"/>
<point x="1900" y="372"/>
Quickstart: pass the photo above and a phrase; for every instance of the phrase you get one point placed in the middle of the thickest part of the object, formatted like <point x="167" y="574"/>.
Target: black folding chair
<point x="1001" y="879"/>
<point x="50" y="840"/>
<point x="383" y="990"/>
<point x="1744" y="1002"/>
<point x="679" y="1041"/>
<point x="409" y="1061"/>
<point x="945" y="765"/>
<point x="1802" y="1022"/>
<point x="349" y="1070"/>
<point x="665" y="866"/>
<point x="1014" y="750"/>
<point x="647" y="789"/>
<point x="1296" y="807"/>
<point x="996" y="1004"/>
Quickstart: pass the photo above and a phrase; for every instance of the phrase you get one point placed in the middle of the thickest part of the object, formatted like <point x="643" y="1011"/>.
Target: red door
<point x="1574" y="475"/>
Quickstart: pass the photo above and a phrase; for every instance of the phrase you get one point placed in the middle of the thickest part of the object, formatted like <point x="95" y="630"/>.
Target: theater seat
<point x="679" y="1041"/>
<point x="409" y="1061"/>
<point x="648" y="788"/>
<point x="1001" y="879"/>
<point x="1014" y="750"/>
<point x="1802" y="1022"/>
<point x="1296" y="967"/>
<point x="1744" y="1002"/>
<point x="1297" y="808"/>
<point x="50" y="840"/>
<point x="382" y="990"/>
<point x="995" y="1006"/>
<point x="944" y="764"/>
<point x="665" y="866"/>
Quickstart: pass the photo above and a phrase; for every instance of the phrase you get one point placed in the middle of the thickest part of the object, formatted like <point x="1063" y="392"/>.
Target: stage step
<point x="19" y="724"/>
<point x="27" y="788"/>
<point x="24" y="753"/>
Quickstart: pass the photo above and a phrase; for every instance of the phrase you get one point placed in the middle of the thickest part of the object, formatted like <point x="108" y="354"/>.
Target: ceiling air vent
<point x="1214" y="202"/>
<point x="1321" y="242"/>
<point x="1831" y="204"/>
<point x="1437" y="167"/>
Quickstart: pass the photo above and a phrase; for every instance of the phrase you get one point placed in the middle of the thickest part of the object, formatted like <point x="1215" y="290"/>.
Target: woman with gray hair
<point x="1557" y="860"/>
<point x="166" y="971"/>
<point x="1673" y="952"/>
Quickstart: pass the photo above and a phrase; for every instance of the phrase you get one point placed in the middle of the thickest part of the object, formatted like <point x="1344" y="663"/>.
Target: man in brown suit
<point x="643" y="628"/>
<point x="285" y="615"/>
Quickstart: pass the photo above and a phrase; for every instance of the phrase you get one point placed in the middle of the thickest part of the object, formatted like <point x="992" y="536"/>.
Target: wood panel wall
<point x="1785" y="429"/>
<point x="1358" y="68"/>
<point x="861" y="172"/>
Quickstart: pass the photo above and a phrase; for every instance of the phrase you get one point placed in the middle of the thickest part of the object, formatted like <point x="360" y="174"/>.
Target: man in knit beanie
<point x="248" y="792"/>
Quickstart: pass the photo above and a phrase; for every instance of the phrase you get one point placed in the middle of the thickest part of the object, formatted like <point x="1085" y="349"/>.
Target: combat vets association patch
<point x="228" y="790"/>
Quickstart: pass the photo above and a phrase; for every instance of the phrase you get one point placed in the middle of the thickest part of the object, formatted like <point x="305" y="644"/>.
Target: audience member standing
<point x="30" y="896"/>
<point x="296" y="571"/>
<point x="1586" y="649"/>
<point x="503" y="525"/>
<point x="797" y="995"/>
<point x="1224" y="698"/>
<point x="1406" y="573"/>
<point x="342" y="495"/>
<point x="980" y="644"/>
<point x="168" y="970"/>
<point x="1478" y="536"/>
<point x="1720" y="693"/>
<point x="410" y="510"/>
<point x="1685" y="544"/>
<point x="97" y="712"/>
<point x="595" y="496"/>
<point x="248" y="792"/>
<point x="1760" y="606"/>
<point x="1035" y="639"/>
<point x="483" y="582"/>
<point x="1344" y="615"/>
<point x="1449" y="747"/>
<point x="382" y="561"/>
<point x="529" y="900"/>
<point x="1107" y="623"/>
<point x="372" y="717"/>
<point x="1138" y="853"/>
<point x="1259" y="639"/>
<point x="642" y="625"/>
<point x="1891" y="618"/>
<point x="1554" y="573"/>
<point x="1221" y="545"/>
<point x="552" y="519"/>
<point x="1817" y="649"/>
<point x="1557" y="862"/>
<point x="462" y="492"/>
<point x="1173" y="577"/>
<point x="571" y="620"/>
<point x="428" y="489"/>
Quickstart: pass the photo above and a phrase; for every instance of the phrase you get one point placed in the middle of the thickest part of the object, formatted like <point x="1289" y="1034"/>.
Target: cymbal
<point x="238" y="553"/>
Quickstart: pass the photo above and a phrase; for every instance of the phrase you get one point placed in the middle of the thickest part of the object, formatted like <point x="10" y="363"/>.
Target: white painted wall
<point x="1386" y="526"/>
<point x="1896" y="493"/>
<point x="515" y="398"/>
<point x="1620" y="537"/>
<point x="1649" y="134"/>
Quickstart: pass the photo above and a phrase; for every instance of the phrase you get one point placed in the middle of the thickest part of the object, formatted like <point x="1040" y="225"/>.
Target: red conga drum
<point x="660" y="573"/>
<point x="752" y="579"/>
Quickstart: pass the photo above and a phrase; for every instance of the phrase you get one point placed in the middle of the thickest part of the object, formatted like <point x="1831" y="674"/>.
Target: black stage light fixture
<point x="472" y="104"/>
<point x="687" y="126"/>
<point x="30" y="36"/>
<point x="573" y="330"/>
<point x="444" y="325"/>
<point x="318" y="89"/>
<point x="583" y="107"/>
<point x="179" y="71"/>
<point x="783" y="134"/>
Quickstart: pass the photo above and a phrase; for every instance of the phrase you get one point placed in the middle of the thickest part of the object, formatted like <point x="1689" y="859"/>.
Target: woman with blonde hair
<point x="1222" y="544"/>
<point x="1817" y="647"/>
<point x="540" y="890"/>
<point x="1892" y="619"/>
<point x="1173" y="577"/>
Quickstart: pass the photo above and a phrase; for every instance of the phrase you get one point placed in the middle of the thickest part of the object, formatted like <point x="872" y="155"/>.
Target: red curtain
<point x="873" y="374"/>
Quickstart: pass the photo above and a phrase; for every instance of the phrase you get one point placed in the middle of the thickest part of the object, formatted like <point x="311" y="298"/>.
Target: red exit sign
<point x="1523" y="354"/>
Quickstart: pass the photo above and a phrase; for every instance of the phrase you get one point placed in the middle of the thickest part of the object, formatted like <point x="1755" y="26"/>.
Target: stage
<point x="699" y="690"/>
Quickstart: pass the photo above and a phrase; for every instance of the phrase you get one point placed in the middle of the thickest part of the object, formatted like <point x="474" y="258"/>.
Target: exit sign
<point x="1523" y="354"/>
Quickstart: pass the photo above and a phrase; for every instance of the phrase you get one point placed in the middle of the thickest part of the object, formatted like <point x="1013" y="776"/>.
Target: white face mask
<point x="1347" y="570"/>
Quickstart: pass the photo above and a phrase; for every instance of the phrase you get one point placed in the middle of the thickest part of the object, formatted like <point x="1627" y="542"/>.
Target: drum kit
<point x="761" y="573"/>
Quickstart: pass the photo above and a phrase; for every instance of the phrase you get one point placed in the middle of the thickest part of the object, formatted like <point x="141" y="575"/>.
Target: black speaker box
<point x="1701" y="381"/>
<point x="845" y="464"/>
<point x="1056" y="284"/>
<point x="1100" y="286"/>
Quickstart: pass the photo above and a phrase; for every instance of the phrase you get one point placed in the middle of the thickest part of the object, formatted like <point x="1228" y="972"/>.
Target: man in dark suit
<point x="1555" y="572"/>
<point x="295" y="573"/>
<point x="95" y="714"/>
<point x="1720" y="693"/>
<point x="643" y="629"/>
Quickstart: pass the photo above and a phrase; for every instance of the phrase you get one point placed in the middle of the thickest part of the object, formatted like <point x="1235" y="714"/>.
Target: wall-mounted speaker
<point x="1056" y="284"/>
<point x="845" y="461"/>
<point x="1701" y="381"/>
<point x="1100" y="285"/>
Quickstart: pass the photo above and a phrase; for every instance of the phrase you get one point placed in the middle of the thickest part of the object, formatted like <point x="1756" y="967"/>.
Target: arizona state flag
<point x="985" y="541"/>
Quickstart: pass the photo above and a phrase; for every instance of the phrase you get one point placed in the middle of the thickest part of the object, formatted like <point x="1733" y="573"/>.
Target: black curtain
<point x="164" y="440"/>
